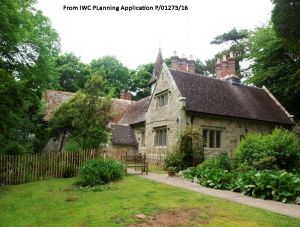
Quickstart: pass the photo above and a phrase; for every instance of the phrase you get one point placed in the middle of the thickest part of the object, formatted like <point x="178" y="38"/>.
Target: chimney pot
<point x="175" y="61"/>
<point x="218" y="68"/>
<point x="183" y="64"/>
<point x="231" y="65"/>
<point x="224" y="67"/>
<point x="192" y="66"/>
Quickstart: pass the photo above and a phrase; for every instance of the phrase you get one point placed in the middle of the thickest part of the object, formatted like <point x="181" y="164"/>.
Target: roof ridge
<point x="212" y="78"/>
<point x="59" y="91"/>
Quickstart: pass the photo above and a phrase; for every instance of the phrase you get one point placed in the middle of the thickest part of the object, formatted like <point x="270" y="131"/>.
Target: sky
<point x="134" y="37"/>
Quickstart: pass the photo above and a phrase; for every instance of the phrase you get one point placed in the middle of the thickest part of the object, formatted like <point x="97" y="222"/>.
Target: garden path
<point x="291" y="210"/>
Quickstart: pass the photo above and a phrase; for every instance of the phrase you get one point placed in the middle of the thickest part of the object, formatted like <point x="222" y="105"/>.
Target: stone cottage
<point x="222" y="108"/>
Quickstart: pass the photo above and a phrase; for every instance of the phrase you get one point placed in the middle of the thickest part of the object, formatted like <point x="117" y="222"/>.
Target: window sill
<point x="210" y="148"/>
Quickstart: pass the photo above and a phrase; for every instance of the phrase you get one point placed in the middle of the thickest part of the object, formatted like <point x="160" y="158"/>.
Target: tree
<point x="85" y="116"/>
<point x="116" y="75"/>
<point x="28" y="46"/>
<point x="73" y="74"/>
<point x="275" y="67"/>
<point x="233" y="36"/>
<point x="140" y="81"/>
<point x="286" y="20"/>
<point x="236" y="41"/>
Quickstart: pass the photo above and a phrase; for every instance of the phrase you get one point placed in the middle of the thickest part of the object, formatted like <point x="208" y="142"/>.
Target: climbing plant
<point x="190" y="146"/>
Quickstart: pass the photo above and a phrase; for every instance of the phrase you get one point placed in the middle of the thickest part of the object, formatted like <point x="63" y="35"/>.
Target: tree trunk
<point x="62" y="140"/>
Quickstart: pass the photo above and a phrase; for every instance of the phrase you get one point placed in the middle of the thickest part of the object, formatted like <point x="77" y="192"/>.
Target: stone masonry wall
<point x="171" y="115"/>
<point x="232" y="130"/>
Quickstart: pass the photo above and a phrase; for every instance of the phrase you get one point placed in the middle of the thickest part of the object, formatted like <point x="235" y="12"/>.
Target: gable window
<point x="162" y="99"/>
<point x="143" y="138"/>
<point x="160" y="137"/>
<point x="212" y="138"/>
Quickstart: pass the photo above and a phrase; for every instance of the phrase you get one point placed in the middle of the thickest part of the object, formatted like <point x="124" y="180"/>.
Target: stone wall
<point x="172" y="115"/>
<point x="232" y="130"/>
<point x="138" y="135"/>
<point x="53" y="145"/>
<point x="296" y="128"/>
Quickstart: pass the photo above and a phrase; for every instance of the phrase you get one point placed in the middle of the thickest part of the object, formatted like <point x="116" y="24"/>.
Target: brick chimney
<point x="191" y="65"/>
<point x="175" y="61"/>
<point x="218" y="68"/>
<point x="231" y="64"/>
<point x="183" y="64"/>
<point x="224" y="69"/>
<point x="125" y="95"/>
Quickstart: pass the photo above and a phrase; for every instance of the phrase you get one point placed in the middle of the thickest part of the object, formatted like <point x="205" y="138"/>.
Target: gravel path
<point x="291" y="210"/>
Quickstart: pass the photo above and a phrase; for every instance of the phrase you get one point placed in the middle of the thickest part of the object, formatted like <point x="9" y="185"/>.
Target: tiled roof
<point x="136" y="112"/>
<point x="123" y="135"/>
<point x="55" y="98"/>
<point x="119" y="108"/>
<point x="213" y="96"/>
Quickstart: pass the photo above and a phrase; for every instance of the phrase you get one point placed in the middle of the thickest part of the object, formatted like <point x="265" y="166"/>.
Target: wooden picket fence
<point x="19" y="169"/>
<point x="155" y="157"/>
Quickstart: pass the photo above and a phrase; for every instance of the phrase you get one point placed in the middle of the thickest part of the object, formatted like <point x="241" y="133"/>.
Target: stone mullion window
<point x="162" y="99"/>
<point x="160" y="137"/>
<point x="212" y="138"/>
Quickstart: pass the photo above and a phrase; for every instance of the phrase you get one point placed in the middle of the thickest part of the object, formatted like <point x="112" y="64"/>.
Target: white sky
<point x="134" y="37"/>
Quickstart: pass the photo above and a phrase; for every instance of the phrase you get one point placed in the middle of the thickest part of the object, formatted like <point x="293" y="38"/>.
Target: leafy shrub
<point x="217" y="178"/>
<point x="173" y="159"/>
<point x="269" y="184"/>
<point x="101" y="172"/>
<point x="222" y="161"/>
<point x="68" y="172"/>
<point x="72" y="146"/>
<point x="190" y="146"/>
<point x="14" y="149"/>
<point x="279" y="150"/>
<point x="191" y="173"/>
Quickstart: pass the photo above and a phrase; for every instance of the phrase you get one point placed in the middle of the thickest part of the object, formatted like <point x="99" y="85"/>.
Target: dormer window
<point x="162" y="99"/>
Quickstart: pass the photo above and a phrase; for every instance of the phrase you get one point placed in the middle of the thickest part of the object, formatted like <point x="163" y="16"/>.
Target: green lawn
<point x="44" y="204"/>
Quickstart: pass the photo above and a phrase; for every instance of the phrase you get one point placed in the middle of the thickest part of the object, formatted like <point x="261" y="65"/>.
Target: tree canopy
<point x="275" y="67"/>
<point x="72" y="72"/>
<point x="286" y="20"/>
<point x="114" y="72"/>
<point x="84" y="117"/>
<point x="140" y="80"/>
<point x="28" y="47"/>
<point x="235" y="39"/>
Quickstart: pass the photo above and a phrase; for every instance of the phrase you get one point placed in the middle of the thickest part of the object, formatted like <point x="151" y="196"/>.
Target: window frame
<point x="161" y="136"/>
<point x="162" y="99"/>
<point x="212" y="138"/>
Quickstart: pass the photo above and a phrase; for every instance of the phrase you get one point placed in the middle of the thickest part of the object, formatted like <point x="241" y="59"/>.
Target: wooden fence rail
<point x="19" y="169"/>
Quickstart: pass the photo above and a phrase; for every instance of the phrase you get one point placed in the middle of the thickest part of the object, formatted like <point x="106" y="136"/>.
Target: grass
<point x="51" y="203"/>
